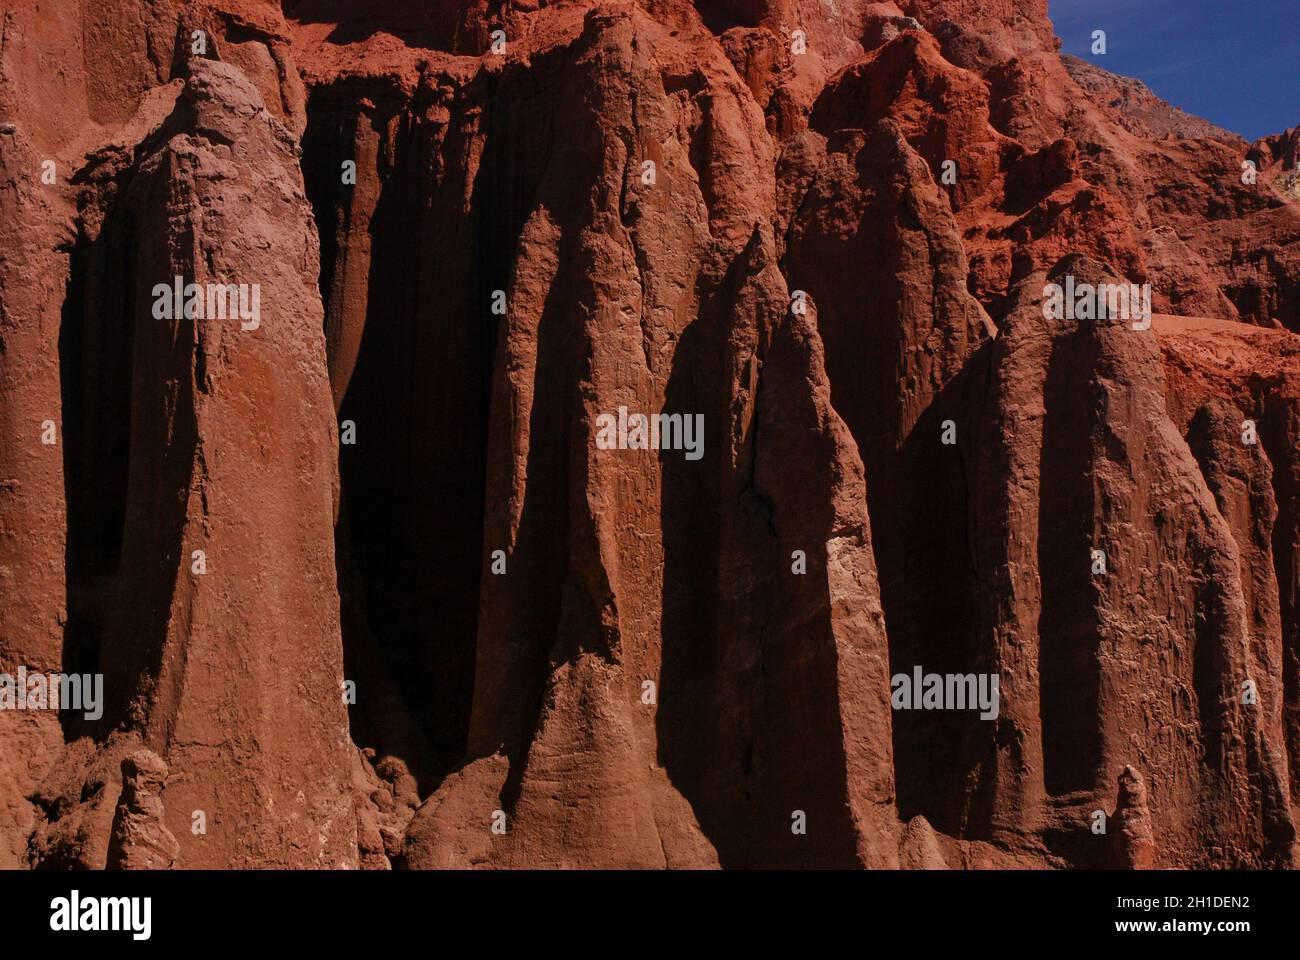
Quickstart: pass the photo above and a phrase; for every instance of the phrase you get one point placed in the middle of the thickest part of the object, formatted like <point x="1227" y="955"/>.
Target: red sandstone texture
<point x="365" y="590"/>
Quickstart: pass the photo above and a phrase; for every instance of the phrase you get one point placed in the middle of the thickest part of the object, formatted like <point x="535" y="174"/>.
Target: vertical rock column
<point x="32" y="518"/>
<point x="220" y="635"/>
<point x="1143" y="630"/>
<point x="1280" y="434"/>
<point x="655" y="686"/>
<point x="873" y="242"/>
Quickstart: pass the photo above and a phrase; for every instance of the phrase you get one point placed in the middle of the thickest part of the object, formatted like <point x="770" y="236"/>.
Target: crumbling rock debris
<point x="1131" y="833"/>
<point x="364" y="588"/>
<point x="141" y="840"/>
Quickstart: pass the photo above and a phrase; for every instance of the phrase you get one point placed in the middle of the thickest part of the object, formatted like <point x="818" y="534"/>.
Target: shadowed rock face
<point x="383" y="574"/>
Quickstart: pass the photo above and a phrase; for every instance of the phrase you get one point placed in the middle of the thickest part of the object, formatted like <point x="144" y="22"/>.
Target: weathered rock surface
<point x="1133" y="839"/>
<point x="365" y="584"/>
<point x="141" y="840"/>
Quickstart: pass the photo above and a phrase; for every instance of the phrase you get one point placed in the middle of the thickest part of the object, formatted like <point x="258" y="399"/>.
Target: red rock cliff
<point x="373" y="562"/>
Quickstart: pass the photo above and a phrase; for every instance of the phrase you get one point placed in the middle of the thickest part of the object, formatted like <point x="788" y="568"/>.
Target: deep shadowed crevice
<point x="94" y="514"/>
<point x="721" y="15"/>
<point x="918" y="503"/>
<point x="411" y="342"/>
<point x="1068" y="666"/>
<point x="129" y="442"/>
<point x="95" y="353"/>
<point x="693" y="738"/>
<point x="423" y="24"/>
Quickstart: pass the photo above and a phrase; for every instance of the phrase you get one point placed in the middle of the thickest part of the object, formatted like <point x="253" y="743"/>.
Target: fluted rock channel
<point x="636" y="434"/>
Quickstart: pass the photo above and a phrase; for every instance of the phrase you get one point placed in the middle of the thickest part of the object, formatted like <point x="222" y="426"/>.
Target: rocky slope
<point x="367" y="585"/>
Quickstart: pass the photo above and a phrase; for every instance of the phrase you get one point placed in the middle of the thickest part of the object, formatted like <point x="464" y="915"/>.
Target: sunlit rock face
<point x="744" y="433"/>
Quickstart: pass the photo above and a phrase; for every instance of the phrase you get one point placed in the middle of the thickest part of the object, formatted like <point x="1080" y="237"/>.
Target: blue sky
<point x="1234" y="62"/>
